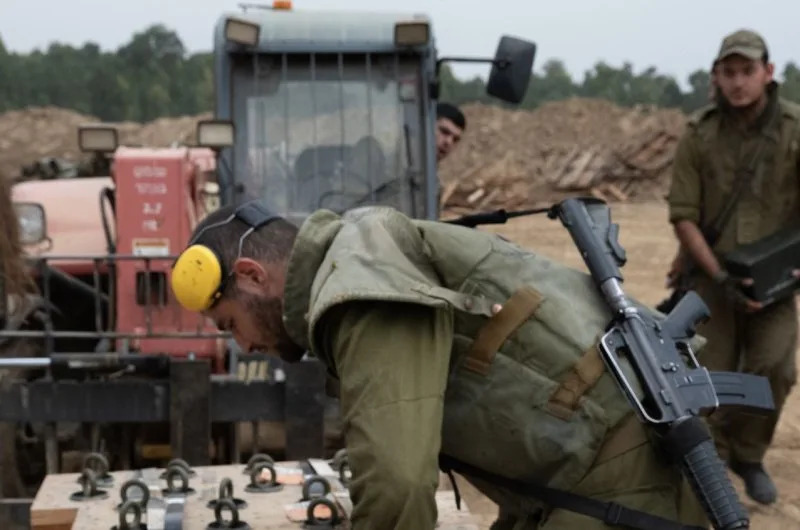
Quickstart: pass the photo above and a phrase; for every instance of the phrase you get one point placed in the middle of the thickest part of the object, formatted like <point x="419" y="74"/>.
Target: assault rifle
<point x="674" y="394"/>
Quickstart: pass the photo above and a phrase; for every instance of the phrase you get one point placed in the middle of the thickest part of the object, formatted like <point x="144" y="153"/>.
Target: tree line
<point x="153" y="75"/>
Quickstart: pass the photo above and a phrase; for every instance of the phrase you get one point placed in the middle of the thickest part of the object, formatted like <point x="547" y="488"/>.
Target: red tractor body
<point x="122" y="249"/>
<point x="159" y="202"/>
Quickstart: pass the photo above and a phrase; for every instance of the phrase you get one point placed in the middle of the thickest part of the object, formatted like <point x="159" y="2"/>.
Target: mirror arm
<point x="433" y="88"/>
<point x="501" y="63"/>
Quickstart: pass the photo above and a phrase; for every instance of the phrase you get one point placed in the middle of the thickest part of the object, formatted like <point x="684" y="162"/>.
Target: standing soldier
<point x="746" y="140"/>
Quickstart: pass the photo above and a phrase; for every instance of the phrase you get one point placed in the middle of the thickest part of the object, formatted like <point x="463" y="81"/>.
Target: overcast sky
<point x="676" y="36"/>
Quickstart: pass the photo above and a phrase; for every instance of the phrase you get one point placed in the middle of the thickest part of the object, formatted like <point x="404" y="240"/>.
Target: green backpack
<point x="528" y="394"/>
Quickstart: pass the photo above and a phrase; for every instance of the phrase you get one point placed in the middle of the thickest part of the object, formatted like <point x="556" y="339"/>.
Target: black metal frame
<point x="180" y="392"/>
<point x="190" y="399"/>
<point x="15" y="514"/>
<point x="46" y="272"/>
<point x="187" y="392"/>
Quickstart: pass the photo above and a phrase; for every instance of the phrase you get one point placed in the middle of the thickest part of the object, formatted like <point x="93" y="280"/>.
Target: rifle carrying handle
<point x="707" y="475"/>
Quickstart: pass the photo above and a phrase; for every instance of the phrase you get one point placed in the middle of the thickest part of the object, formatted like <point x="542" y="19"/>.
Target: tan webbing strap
<point x="584" y="374"/>
<point x="629" y="435"/>
<point x="517" y="309"/>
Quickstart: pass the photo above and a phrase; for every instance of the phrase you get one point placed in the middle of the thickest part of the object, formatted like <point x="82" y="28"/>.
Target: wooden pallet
<point x="53" y="509"/>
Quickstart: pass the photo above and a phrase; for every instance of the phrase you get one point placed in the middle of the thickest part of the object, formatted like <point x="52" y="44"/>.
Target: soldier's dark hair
<point x="270" y="244"/>
<point x="14" y="277"/>
<point x="452" y="113"/>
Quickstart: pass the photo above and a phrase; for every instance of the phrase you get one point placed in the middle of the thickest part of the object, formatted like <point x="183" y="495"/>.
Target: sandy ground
<point x="650" y="245"/>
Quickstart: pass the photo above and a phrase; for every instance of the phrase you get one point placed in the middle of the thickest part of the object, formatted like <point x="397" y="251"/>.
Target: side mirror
<point x="215" y="134"/>
<point x="511" y="69"/>
<point x="32" y="225"/>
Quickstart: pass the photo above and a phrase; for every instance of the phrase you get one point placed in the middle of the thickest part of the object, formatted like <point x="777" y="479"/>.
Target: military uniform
<point x="707" y="160"/>
<point x="400" y="311"/>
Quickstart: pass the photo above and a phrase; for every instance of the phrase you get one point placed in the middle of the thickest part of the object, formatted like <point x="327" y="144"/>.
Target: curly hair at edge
<point x="14" y="277"/>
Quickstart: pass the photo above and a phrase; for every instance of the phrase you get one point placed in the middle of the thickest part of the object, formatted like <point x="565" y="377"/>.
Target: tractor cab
<point x="336" y="109"/>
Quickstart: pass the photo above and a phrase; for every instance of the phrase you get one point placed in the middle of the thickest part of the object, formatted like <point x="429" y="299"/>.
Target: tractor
<point x="99" y="250"/>
<point x="313" y="110"/>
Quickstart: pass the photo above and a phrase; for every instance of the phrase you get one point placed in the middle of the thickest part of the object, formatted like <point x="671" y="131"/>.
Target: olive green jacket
<point x="707" y="159"/>
<point x="528" y="395"/>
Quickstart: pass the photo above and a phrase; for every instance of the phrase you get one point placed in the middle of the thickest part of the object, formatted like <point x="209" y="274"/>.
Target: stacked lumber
<point x="513" y="158"/>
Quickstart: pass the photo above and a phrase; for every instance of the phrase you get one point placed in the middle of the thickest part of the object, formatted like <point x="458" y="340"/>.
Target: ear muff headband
<point x="198" y="275"/>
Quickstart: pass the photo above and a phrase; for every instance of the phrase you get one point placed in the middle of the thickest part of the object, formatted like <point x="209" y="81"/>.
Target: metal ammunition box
<point x="769" y="262"/>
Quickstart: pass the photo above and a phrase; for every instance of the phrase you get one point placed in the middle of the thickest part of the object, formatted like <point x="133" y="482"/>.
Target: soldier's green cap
<point x="743" y="42"/>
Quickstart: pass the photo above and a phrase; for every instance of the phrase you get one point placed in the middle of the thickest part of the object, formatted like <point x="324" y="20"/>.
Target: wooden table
<point x="53" y="509"/>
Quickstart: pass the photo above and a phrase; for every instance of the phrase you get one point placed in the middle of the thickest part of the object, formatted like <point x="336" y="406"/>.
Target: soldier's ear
<point x="770" y="68"/>
<point x="251" y="276"/>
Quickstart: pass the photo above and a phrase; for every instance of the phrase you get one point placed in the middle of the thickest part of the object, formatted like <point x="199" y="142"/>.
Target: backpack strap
<point x="629" y="434"/>
<point x="611" y="513"/>
<point x="583" y="375"/>
<point x="515" y="311"/>
<point x="519" y="307"/>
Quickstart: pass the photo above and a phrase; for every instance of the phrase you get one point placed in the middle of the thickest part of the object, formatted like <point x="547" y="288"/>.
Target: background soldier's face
<point x="448" y="134"/>
<point x="742" y="81"/>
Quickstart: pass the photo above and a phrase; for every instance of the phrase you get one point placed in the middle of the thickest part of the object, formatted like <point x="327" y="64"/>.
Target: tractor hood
<point x="72" y="219"/>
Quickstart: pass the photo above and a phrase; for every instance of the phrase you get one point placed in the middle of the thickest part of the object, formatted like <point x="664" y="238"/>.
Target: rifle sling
<point x="611" y="513"/>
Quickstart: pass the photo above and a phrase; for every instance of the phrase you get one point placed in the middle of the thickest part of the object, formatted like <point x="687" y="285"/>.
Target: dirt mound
<point x="511" y="158"/>
<point x="167" y="131"/>
<point x="508" y="158"/>
<point x="33" y="133"/>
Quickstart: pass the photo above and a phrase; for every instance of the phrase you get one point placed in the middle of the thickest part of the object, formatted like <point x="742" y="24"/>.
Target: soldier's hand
<point x="733" y="290"/>
<point x="796" y="273"/>
<point x="750" y="306"/>
<point x="674" y="272"/>
<point x="672" y="278"/>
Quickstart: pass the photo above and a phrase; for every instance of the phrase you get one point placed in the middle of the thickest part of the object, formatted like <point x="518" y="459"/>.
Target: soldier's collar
<point x="308" y="252"/>
<point x="766" y="120"/>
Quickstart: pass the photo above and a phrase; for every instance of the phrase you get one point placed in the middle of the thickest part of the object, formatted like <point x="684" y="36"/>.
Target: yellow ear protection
<point x="198" y="275"/>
